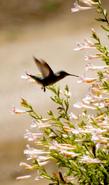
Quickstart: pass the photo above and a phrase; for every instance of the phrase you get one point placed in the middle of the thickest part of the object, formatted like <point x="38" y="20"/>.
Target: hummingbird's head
<point x="63" y="74"/>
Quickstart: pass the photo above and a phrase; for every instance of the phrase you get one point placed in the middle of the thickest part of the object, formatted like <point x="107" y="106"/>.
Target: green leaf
<point x="106" y="85"/>
<point x="100" y="74"/>
<point x="50" y="113"/>
<point x="105" y="28"/>
<point x="94" y="35"/>
<point x="101" y="19"/>
<point x="25" y="104"/>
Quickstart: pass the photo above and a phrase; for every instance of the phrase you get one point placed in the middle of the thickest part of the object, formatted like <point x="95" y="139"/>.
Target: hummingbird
<point x="48" y="76"/>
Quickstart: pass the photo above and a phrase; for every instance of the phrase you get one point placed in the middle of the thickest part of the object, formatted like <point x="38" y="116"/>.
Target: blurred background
<point x="45" y="29"/>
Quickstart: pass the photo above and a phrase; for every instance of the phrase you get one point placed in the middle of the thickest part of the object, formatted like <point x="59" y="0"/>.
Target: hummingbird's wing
<point x="44" y="68"/>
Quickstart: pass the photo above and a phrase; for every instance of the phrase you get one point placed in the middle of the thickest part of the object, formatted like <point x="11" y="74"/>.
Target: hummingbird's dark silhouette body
<point x="49" y="77"/>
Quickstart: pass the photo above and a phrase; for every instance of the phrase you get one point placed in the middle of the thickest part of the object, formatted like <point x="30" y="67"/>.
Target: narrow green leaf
<point x="105" y="28"/>
<point x="101" y="19"/>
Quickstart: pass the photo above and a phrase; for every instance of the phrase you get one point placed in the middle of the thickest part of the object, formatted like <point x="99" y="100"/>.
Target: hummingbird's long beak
<point x="73" y="75"/>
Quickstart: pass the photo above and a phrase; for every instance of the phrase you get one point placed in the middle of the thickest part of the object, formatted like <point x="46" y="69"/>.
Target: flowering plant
<point x="77" y="145"/>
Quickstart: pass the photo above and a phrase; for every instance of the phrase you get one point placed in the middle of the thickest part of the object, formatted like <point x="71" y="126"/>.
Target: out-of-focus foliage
<point x="21" y="11"/>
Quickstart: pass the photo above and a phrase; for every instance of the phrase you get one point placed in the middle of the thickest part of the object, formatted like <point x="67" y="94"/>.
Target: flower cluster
<point x="74" y="139"/>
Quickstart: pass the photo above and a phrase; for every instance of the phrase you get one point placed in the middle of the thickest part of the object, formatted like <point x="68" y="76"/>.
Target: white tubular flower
<point x="32" y="136"/>
<point x="77" y="7"/>
<point x="95" y="90"/>
<point x="44" y="123"/>
<point x="89" y="160"/>
<point x="87" y="100"/>
<point x="23" y="177"/>
<point x="33" y="153"/>
<point x="87" y="44"/>
<point x="90" y="66"/>
<point x="86" y="80"/>
<point x="38" y="178"/>
<point x="43" y="160"/>
<point x="69" y="153"/>
<point x="33" y="124"/>
<point x="88" y="2"/>
<point x="98" y="138"/>
<point x="18" y="111"/>
<point x="73" y="116"/>
<point x="81" y="105"/>
<point x="92" y="100"/>
<point x="27" y="166"/>
<point x="92" y="57"/>
<point x="60" y="147"/>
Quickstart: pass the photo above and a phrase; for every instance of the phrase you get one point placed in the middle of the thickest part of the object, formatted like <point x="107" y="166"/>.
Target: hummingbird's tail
<point x="30" y="75"/>
<point x="35" y="78"/>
